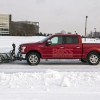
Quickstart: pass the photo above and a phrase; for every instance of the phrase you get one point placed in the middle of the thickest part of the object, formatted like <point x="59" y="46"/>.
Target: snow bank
<point x="7" y="41"/>
<point x="50" y="78"/>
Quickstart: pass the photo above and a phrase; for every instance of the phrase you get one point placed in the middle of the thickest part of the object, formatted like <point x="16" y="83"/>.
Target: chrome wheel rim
<point x="93" y="59"/>
<point x="33" y="59"/>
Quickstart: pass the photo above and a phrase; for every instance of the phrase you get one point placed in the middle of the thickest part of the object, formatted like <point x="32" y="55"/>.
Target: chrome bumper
<point x="21" y="56"/>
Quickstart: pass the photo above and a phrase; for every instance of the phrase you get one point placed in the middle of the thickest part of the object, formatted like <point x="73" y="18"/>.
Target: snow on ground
<point x="53" y="79"/>
<point x="49" y="79"/>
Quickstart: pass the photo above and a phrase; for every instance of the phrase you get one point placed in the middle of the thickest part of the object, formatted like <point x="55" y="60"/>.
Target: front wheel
<point x="33" y="58"/>
<point x="93" y="58"/>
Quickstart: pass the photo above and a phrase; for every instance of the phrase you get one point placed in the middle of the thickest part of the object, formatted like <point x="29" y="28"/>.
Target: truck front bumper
<point x="21" y="56"/>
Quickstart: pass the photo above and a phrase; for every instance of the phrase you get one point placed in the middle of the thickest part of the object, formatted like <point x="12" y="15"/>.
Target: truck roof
<point x="60" y="34"/>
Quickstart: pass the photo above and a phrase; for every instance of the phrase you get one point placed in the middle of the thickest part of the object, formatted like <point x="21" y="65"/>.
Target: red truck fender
<point x="92" y="50"/>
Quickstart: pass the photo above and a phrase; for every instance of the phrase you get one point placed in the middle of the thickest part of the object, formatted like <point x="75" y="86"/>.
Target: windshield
<point x="45" y="39"/>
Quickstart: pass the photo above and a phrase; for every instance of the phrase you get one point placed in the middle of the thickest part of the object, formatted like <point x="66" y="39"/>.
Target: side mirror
<point x="48" y="42"/>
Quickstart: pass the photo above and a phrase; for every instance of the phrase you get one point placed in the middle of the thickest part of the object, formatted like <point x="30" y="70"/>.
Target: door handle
<point x="78" y="47"/>
<point x="61" y="47"/>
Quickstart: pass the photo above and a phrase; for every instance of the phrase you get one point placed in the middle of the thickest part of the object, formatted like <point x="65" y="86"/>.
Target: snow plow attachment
<point x="8" y="57"/>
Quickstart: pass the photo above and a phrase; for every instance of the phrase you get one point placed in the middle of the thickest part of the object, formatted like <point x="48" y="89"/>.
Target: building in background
<point x="94" y="34"/>
<point x="24" y="28"/>
<point x="35" y="24"/>
<point x="19" y="28"/>
<point x="5" y="21"/>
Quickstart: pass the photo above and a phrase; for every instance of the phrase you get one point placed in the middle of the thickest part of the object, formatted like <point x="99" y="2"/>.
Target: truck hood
<point x="27" y="44"/>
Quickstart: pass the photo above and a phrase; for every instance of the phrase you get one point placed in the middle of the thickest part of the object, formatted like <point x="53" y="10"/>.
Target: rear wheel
<point x="93" y="58"/>
<point x="33" y="58"/>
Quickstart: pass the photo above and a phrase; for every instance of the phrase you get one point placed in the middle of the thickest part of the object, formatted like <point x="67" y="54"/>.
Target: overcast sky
<point x="55" y="15"/>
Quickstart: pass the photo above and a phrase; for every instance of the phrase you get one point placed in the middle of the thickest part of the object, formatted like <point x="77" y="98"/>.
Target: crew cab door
<point x="72" y="47"/>
<point x="55" y="49"/>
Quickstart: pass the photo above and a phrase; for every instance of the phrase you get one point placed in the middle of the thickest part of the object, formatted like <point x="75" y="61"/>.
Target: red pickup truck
<point x="60" y="46"/>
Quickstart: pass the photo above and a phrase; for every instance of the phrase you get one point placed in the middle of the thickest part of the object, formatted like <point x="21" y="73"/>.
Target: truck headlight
<point x="23" y="48"/>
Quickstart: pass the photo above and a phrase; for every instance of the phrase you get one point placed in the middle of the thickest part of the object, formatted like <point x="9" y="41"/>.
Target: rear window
<point x="71" y="40"/>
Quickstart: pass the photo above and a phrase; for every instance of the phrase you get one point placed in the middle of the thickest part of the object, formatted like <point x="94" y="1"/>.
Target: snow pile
<point x="7" y="41"/>
<point x="50" y="78"/>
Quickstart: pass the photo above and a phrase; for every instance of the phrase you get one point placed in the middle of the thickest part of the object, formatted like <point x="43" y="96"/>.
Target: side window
<point x="56" y="40"/>
<point x="71" y="40"/>
<point x="75" y="40"/>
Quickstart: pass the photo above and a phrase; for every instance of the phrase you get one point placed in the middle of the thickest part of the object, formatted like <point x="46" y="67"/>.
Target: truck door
<point x="55" y="49"/>
<point x="73" y="49"/>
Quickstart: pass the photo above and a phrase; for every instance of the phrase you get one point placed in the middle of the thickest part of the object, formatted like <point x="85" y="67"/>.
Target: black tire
<point x="33" y="58"/>
<point x="83" y="60"/>
<point x="93" y="58"/>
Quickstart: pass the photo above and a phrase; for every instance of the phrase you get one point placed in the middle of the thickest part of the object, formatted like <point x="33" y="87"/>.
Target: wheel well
<point x="33" y="51"/>
<point x="94" y="52"/>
